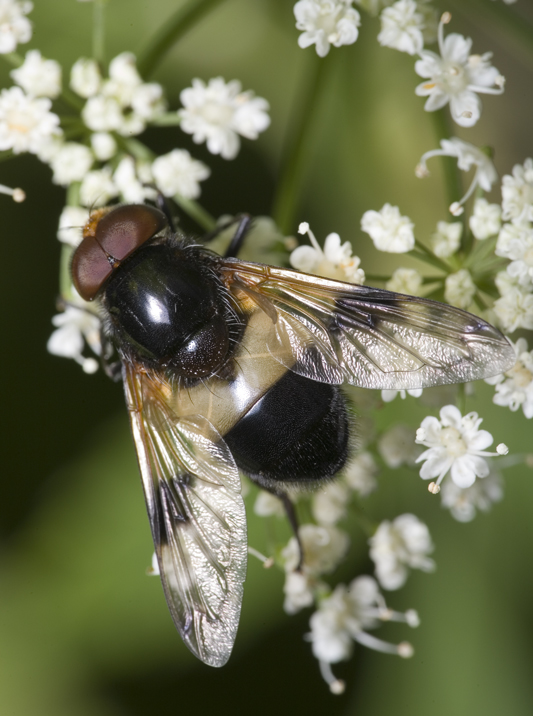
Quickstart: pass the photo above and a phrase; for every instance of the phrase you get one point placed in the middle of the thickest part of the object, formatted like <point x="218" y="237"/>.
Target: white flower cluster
<point x="334" y="261"/>
<point x="447" y="239"/>
<point x="514" y="389"/>
<point x="324" y="547"/>
<point x="325" y="23"/>
<point x="456" y="445"/>
<point x="74" y="327"/>
<point x="515" y="242"/>
<point x="15" y="28"/>
<point x="402" y="27"/>
<point x="399" y="545"/>
<point x="468" y="156"/>
<point x="217" y="113"/>
<point x="26" y="122"/>
<point x="122" y="103"/>
<point x="344" y="618"/>
<point x="463" y="502"/>
<point x="456" y="77"/>
<point x="389" y="230"/>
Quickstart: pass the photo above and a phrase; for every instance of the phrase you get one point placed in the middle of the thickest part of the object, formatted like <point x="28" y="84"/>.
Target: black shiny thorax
<point x="167" y="308"/>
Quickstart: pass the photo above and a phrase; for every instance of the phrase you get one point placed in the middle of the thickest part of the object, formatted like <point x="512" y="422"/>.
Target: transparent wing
<point x="196" y="512"/>
<point x="337" y="332"/>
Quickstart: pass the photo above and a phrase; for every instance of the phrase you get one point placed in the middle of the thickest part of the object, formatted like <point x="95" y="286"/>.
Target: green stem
<point x="170" y="32"/>
<point x="202" y="217"/>
<point x="65" y="282"/>
<point x="197" y="213"/>
<point x="427" y="260"/>
<point x="422" y="253"/>
<point x="169" y="119"/>
<point x="452" y="173"/>
<point x="99" y="31"/>
<point x="72" y="99"/>
<point x="14" y="59"/>
<point x="368" y="525"/>
<point x="481" y="250"/>
<point x="297" y="146"/>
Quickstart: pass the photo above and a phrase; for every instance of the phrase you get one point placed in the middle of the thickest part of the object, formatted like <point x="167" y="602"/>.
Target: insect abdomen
<point x="296" y="433"/>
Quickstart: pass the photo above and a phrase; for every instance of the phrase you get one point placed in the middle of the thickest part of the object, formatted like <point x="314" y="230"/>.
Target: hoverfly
<point x="231" y="365"/>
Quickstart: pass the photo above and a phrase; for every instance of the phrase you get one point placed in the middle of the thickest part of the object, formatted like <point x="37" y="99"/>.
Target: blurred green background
<point x="83" y="630"/>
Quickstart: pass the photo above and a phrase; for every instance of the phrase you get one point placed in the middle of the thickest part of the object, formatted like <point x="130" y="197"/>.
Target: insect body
<point x="232" y="365"/>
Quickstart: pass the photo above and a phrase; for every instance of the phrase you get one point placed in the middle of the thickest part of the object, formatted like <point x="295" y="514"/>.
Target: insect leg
<point x="244" y="222"/>
<point x="164" y="206"/>
<point x="293" y="521"/>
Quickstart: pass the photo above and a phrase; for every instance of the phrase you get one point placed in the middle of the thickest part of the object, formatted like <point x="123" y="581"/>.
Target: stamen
<point x="421" y="171"/>
<point x="420" y="434"/>
<point x="336" y="686"/>
<point x="384" y="646"/>
<point x="405" y="650"/>
<point x="434" y="488"/>
<point x="412" y="618"/>
<point x="502" y="449"/>
<point x="89" y="365"/>
<point x="267" y="561"/>
<point x="457" y="207"/>
<point x="304" y="229"/>
<point x="19" y="195"/>
<point x="444" y="20"/>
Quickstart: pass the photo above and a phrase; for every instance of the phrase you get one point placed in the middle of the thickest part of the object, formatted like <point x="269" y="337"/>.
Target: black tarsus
<point x="244" y="222"/>
<point x="293" y="521"/>
<point x="164" y="206"/>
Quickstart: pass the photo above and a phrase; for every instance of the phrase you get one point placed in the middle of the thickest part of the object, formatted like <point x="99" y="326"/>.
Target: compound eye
<point x="127" y="227"/>
<point x="90" y="268"/>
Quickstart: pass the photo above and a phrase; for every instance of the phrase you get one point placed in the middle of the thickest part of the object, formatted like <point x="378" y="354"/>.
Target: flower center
<point x="20" y="121"/>
<point x="454" y="78"/>
<point x="521" y="376"/>
<point x="327" y="22"/>
<point x="215" y="113"/>
<point x="453" y="442"/>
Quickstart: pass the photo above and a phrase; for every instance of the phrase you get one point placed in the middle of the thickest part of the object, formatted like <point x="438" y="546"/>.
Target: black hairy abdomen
<point x="296" y="433"/>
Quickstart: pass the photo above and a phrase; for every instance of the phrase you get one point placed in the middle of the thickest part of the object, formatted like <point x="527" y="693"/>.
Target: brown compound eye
<point x="117" y="234"/>
<point x="90" y="268"/>
<point x="127" y="227"/>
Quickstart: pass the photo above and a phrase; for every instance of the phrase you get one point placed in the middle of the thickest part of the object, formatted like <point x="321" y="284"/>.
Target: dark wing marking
<point x="196" y="512"/>
<point x="337" y="332"/>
